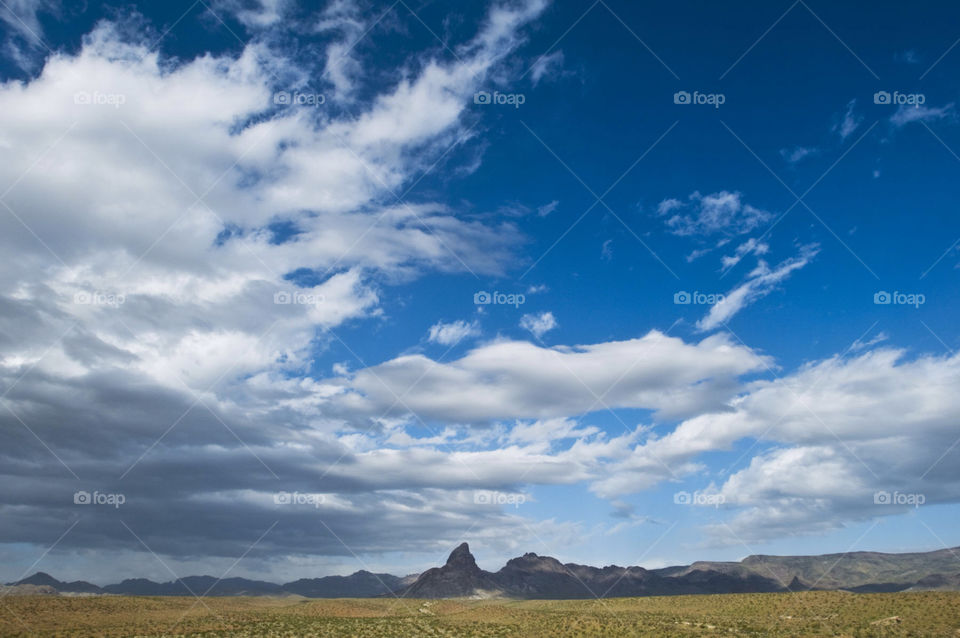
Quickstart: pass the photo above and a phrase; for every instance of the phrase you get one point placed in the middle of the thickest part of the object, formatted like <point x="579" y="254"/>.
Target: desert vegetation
<point x="837" y="614"/>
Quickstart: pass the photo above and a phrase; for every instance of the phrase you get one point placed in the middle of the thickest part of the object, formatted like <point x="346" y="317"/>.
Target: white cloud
<point x="751" y="246"/>
<point x="697" y="254"/>
<point x="759" y="283"/>
<point x="255" y="13"/>
<point x="452" y="333"/>
<point x="168" y="135"/>
<point x="848" y="122"/>
<point x="521" y="380"/>
<point x="906" y="114"/>
<point x="606" y="250"/>
<point x="860" y="344"/>
<point x="797" y="153"/>
<point x="546" y="209"/>
<point x="705" y="215"/>
<point x="539" y="324"/>
<point x="546" y="66"/>
<point x="343" y="65"/>
<point x="202" y="336"/>
<point x="842" y="429"/>
<point x="25" y="40"/>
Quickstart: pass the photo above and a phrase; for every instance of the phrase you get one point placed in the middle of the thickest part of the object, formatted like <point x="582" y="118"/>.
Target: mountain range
<point x="533" y="576"/>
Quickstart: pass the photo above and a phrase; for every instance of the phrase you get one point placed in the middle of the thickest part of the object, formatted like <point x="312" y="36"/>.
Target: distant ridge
<point x="533" y="576"/>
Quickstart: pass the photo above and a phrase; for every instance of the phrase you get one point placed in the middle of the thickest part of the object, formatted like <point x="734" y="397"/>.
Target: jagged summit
<point x="459" y="577"/>
<point x="462" y="558"/>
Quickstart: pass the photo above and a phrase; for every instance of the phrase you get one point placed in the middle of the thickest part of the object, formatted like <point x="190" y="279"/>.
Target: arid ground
<point x="802" y="614"/>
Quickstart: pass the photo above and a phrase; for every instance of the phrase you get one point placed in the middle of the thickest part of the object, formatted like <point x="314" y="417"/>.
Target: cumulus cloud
<point x="517" y="380"/>
<point x="156" y="324"/>
<point x="539" y="324"/>
<point x="842" y="430"/>
<point x="761" y="281"/>
<point x="449" y="334"/>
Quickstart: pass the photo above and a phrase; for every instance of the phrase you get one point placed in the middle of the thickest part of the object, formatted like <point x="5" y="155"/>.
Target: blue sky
<point x="246" y="241"/>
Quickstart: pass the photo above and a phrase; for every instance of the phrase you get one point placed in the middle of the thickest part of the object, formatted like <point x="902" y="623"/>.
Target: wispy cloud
<point x="760" y="282"/>
<point x="905" y="114"/>
<point x="751" y="246"/>
<point x="546" y="209"/>
<point x="860" y="344"/>
<point x="721" y="212"/>
<point x="797" y="153"/>
<point x="848" y="122"/>
<point x="606" y="250"/>
<point x="454" y="332"/>
<point x="546" y="66"/>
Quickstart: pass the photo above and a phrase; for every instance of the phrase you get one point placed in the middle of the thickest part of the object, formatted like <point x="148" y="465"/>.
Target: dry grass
<point x="834" y="614"/>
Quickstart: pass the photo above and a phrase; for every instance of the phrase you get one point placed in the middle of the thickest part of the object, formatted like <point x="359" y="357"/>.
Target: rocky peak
<point x="531" y="561"/>
<point x="461" y="558"/>
<point x="459" y="577"/>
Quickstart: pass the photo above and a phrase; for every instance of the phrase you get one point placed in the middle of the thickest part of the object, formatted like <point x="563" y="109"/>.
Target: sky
<point x="297" y="289"/>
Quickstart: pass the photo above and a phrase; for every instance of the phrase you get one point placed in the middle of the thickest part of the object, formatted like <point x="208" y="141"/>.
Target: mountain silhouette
<point x="534" y="576"/>
<point x="459" y="577"/>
